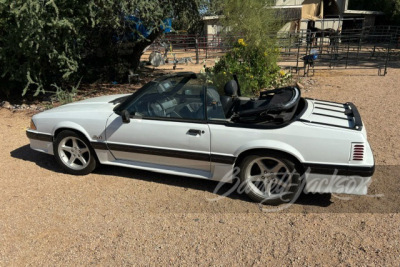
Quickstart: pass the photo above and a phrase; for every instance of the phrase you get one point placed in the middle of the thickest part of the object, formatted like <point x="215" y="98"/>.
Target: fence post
<point x="359" y="47"/>
<point x="197" y="50"/>
<point x="387" y="58"/>
<point x="207" y="49"/>
<point x="347" y="56"/>
<point x="300" y="43"/>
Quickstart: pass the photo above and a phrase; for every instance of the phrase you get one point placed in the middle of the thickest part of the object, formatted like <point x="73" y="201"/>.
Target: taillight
<point x="357" y="152"/>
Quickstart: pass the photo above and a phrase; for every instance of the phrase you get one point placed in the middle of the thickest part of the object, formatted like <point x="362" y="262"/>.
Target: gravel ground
<point x="129" y="217"/>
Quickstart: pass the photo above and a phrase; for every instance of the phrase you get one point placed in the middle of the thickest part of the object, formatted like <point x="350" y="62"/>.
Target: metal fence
<point x="304" y="52"/>
<point x="367" y="48"/>
<point x="191" y="48"/>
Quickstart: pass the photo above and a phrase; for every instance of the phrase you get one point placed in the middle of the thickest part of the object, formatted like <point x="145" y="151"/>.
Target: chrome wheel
<point x="268" y="177"/>
<point x="74" y="153"/>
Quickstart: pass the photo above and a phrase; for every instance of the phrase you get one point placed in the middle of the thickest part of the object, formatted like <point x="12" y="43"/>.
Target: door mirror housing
<point x="126" y="116"/>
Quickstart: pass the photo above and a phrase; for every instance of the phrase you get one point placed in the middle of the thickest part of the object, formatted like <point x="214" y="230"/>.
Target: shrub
<point x="43" y="42"/>
<point x="255" y="66"/>
<point x="253" y="58"/>
<point x="47" y="44"/>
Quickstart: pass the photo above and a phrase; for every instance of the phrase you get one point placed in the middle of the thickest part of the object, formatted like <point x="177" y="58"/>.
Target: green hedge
<point x="42" y="42"/>
<point x="46" y="45"/>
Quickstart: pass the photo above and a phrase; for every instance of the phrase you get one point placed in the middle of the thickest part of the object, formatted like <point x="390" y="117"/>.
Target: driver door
<point x="167" y="130"/>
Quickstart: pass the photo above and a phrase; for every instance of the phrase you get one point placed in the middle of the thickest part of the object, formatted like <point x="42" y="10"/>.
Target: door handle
<point x="194" y="132"/>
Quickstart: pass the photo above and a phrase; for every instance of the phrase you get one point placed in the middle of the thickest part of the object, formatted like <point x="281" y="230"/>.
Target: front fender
<point x="72" y="126"/>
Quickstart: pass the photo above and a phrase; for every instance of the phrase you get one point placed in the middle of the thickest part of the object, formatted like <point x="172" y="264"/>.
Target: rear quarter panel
<point x="308" y="143"/>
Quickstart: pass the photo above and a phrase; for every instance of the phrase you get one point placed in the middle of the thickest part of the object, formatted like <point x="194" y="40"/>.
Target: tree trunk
<point x="141" y="46"/>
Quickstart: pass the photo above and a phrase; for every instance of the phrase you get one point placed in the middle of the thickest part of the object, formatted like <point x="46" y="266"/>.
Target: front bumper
<point x="40" y="141"/>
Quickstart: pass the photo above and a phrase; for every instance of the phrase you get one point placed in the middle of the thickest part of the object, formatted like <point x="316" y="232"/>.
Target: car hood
<point x="96" y="104"/>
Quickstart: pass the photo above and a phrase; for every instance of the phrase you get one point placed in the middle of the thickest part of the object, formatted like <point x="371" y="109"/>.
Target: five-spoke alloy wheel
<point x="74" y="153"/>
<point x="270" y="178"/>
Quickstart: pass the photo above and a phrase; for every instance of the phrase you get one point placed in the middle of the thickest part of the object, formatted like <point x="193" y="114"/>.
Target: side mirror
<point x="126" y="116"/>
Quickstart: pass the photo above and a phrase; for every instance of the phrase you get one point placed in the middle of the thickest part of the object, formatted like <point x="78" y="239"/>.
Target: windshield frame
<point x="187" y="76"/>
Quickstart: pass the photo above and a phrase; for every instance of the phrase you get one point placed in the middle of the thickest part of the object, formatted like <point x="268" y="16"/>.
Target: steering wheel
<point x="155" y="109"/>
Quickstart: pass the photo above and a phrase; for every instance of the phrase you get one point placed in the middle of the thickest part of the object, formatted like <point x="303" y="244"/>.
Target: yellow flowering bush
<point x="254" y="55"/>
<point x="284" y="78"/>
<point x="242" y="42"/>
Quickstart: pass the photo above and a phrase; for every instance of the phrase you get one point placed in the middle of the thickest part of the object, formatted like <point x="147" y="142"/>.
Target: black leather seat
<point x="230" y="98"/>
<point x="277" y="105"/>
<point x="213" y="104"/>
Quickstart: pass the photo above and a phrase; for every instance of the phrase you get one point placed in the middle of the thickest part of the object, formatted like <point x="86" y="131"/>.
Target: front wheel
<point x="270" y="178"/>
<point x="74" y="153"/>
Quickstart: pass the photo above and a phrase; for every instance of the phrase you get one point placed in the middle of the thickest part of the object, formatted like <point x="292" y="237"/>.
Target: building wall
<point x="213" y="26"/>
<point x="213" y="29"/>
<point x="288" y="2"/>
<point x="369" y="20"/>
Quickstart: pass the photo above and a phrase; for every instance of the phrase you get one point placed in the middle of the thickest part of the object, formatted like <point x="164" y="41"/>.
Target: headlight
<point x="32" y="126"/>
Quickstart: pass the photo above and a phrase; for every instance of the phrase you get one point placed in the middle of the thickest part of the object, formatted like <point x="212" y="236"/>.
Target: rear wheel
<point x="270" y="178"/>
<point x="74" y="153"/>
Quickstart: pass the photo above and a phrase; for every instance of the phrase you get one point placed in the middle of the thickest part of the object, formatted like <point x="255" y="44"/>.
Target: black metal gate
<point x="366" y="48"/>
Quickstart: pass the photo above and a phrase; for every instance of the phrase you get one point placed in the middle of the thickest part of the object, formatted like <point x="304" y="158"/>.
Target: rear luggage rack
<point x="353" y="111"/>
<point x="350" y="111"/>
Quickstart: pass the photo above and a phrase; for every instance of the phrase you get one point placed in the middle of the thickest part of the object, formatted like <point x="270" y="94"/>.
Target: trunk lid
<point x="332" y="114"/>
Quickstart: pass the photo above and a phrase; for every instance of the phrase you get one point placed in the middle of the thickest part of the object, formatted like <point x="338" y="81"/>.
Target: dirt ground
<point x="119" y="216"/>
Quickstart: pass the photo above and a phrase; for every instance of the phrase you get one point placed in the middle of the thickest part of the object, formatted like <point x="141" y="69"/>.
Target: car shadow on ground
<point x="41" y="159"/>
<point x="48" y="162"/>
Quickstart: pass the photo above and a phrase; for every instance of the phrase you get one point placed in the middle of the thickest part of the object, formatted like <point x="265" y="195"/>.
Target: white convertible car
<point x="280" y="142"/>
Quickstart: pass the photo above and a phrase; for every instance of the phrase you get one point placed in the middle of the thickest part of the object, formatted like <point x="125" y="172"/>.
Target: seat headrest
<point x="231" y="88"/>
<point x="212" y="96"/>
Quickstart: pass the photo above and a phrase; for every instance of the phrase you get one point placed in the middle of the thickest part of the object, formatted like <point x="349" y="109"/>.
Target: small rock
<point x="221" y="221"/>
<point x="362" y="249"/>
<point x="299" y="85"/>
<point x="196" y="220"/>
<point x="6" y="105"/>
<point x="24" y="106"/>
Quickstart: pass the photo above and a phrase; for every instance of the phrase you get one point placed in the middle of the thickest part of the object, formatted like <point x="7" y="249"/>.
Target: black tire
<point x="283" y="184"/>
<point x="74" y="153"/>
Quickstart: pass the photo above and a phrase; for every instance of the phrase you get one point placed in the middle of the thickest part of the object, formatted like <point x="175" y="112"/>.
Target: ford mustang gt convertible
<point x="275" y="145"/>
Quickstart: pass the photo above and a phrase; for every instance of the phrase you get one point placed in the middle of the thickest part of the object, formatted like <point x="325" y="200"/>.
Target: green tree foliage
<point x="45" y="44"/>
<point x="252" y="25"/>
<point x="254" y="19"/>
<point x="211" y="7"/>
<point x="188" y="17"/>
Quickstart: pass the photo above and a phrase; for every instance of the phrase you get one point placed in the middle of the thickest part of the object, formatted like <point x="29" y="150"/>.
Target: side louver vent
<point x="357" y="152"/>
